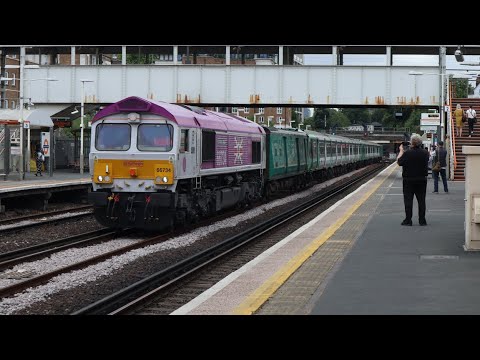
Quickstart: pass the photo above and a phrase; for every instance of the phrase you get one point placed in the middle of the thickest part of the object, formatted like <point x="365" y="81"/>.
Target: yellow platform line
<point x="253" y="302"/>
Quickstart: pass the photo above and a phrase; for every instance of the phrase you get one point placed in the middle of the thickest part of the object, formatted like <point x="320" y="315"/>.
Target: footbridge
<point x="228" y="75"/>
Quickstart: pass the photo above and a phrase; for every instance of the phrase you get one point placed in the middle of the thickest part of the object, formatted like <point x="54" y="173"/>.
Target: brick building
<point x="278" y="116"/>
<point x="10" y="89"/>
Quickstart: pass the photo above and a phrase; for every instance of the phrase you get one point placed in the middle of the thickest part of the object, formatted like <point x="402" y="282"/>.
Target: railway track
<point x="156" y="287"/>
<point x="29" y="253"/>
<point x="15" y="224"/>
<point x="12" y="258"/>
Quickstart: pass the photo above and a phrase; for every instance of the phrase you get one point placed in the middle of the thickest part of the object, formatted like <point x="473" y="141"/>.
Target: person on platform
<point x="441" y="156"/>
<point x="459" y="120"/>
<point x="471" y="118"/>
<point x="430" y="159"/>
<point x="415" y="171"/>
<point x="39" y="157"/>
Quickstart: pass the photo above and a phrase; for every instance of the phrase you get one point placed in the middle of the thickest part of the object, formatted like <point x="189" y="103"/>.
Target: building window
<point x="279" y="120"/>
<point x="13" y="105"/>
<point x="246" y="110"/>
<point x="6" y="82"/>
<point x="261" y="110"/>
<point x="261" y="120"/>
<point x="234" y="110"/>
<point x="5" y="104"/>
<point x="279" y="110"/>
<point x="13" y="80"/>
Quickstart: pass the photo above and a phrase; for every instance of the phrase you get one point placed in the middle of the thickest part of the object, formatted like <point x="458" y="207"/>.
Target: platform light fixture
<point x="459" y="55"/>
<point x="82" y="109"/>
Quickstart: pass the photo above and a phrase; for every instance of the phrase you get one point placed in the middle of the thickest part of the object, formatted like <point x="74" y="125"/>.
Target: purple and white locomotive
<point x="154" y="164"/>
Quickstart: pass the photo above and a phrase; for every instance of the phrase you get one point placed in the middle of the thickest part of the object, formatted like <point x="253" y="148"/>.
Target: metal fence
<point x="3" y="152"/>
<point x="64" y="153"/>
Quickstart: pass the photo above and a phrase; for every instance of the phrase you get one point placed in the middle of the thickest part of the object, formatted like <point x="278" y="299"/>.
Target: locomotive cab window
<point x="155" y="137"/>
<point x="113" y="137"/>
<point x="184" y="141"/>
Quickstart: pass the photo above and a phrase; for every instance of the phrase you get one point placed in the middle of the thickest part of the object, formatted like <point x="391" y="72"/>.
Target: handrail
<point x="453" y="158"/>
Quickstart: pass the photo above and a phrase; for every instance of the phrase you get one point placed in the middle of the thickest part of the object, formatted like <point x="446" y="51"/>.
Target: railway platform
<point x="43" y="186"/>
<point x="356" y="258"/>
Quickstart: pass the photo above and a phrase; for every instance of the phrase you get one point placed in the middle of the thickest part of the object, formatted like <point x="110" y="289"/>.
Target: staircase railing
<point x="453" y="157"/>
<point x="453" y="160"/>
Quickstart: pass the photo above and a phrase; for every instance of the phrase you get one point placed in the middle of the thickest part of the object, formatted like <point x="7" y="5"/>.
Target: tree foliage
<point x="461" y="88"/>
<point x="413" y="121"/>
<point x="343" y="117"/>
<point x="140" y="58"/>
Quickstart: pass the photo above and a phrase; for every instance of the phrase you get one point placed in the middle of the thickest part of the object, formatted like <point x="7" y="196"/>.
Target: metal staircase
<point x="458" y="142"/>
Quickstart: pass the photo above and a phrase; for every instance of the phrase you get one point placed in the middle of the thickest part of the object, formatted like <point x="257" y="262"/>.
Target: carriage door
<point x="299" y="156"/>
<point x="187" y="156"/>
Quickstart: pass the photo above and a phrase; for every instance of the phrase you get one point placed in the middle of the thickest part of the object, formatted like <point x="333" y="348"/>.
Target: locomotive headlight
<point x="165" y="179"/>
<point x="158" y="179"/>
<point x="107" y="178"/>
<point x="100" y="178"/>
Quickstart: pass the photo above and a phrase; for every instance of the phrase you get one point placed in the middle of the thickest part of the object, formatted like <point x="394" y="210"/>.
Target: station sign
<point x="429" y="128"/>
<point x="45" y="143"/>
<point x="26" y="124"/>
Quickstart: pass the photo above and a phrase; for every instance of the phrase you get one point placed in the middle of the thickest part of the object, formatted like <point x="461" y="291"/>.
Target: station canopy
<point x="38" y="118"/>
<point x="64" y="117"/>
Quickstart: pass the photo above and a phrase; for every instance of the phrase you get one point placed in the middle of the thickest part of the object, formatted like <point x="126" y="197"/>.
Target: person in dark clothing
<point x="39" y="159"/>
<point x="440" y="155"/>
<point x="471" y="116"/>
<point x="415" y="171"/>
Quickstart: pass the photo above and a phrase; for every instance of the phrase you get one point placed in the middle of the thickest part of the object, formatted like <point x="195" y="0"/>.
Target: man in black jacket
<point x="441" y="156"/>
<point x="415" y="171"/>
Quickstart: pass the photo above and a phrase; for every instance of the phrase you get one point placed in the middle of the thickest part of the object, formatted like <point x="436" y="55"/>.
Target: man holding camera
<point x="414" y="161"/>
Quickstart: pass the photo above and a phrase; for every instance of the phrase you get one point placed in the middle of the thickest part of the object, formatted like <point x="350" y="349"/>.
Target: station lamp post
<point x="82" y="114"/>
<point x="269" y="119"/>
<point x="301" y="115"/>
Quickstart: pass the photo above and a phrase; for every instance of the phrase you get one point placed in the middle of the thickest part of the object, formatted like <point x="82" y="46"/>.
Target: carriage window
<point x="112" y="137"/>
<point x="208" y="146"/>
<point x="155" y="137"/>
<point x="256" y="153"/>
<point x="184" y="141"/>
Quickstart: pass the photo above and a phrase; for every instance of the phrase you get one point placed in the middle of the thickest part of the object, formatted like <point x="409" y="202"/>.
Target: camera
<point x="405" y="144"/>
